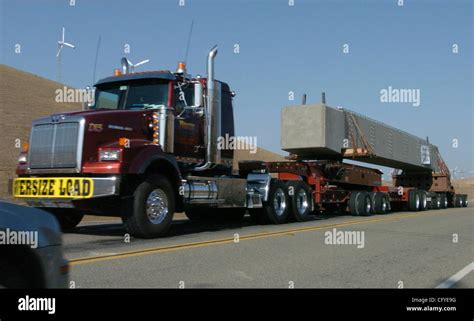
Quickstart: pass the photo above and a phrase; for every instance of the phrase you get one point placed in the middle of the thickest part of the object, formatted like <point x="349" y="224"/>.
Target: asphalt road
<point x="406" y="249"/>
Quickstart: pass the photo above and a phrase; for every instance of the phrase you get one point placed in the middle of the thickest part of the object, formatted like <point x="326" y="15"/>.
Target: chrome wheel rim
<point x="417" y="201"/>
<point x="368" y="205"/>
<point x="384" y="205"/>
<point x="279" y="202"/>
<point x="157" y="206"/>
<point x="424" y="201"/>
<point x="302" y="203"/>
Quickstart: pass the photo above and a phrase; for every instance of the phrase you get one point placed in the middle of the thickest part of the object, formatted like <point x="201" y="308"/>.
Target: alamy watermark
<point x="228" y="142"/>
<point x="37" y="304"/>
<point x="74" y="95"/>
<point x="335" y="237"/>
<point x="11" y="237"/>
<point x="396" y="95"/>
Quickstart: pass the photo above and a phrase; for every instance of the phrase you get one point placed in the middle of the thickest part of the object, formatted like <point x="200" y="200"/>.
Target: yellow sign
<point x="53" y="187"/>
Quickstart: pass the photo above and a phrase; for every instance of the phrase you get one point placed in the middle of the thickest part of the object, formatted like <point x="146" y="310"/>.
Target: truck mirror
<point x="198" y="90"/>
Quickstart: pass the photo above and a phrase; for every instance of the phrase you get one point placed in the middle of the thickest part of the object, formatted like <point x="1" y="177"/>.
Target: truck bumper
<point x="103" y="187"/>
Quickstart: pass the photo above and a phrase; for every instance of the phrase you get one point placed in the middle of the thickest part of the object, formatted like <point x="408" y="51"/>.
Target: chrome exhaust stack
<point x="126" y="68"/>
<point x="213" y="115"/>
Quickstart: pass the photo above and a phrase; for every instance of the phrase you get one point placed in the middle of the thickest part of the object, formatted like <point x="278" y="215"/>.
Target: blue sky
<point x="282" y="48"/>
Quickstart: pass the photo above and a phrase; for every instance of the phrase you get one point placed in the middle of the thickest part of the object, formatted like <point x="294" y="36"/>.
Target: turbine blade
<point x="141" y="63"/>
<point x="69" y="45"/>
<point x="64" y="31"/>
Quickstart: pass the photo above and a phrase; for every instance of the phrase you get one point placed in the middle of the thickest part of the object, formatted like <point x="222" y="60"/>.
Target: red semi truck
<point x="148" y="148"/>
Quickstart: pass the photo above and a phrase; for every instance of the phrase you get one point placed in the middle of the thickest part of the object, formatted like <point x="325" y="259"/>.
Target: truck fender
<point x="154" y="157"/>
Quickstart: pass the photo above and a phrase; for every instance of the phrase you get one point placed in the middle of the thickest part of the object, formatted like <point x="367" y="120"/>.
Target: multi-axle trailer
<point x="149" y="147"/>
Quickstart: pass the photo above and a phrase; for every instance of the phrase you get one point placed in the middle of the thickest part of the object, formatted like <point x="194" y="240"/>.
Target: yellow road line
<point x="288" y="232"/>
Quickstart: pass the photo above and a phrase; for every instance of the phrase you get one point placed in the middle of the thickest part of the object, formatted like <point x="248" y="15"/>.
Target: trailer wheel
<point x="153" y="208"/>
<point x="443" y="200"/>
<point x="372" y="199"/>
<point x="360" y="204"/>
<point x="301" y="200"/>
<point x="381" y="203"/>
<point x="413" y="200"/>
<point x="435" y="202"/>
<point x="423" y="200"/>
<point x="457" y="200"/>
<point x="68" y="218"/>
<point x="353" y="201"/>
<point x="465" y="202"/>
<point x="278" y="205"/>
<point x="365" y="204"/>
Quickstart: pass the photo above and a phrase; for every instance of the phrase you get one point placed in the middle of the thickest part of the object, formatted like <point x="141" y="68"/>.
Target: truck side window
<point x="184" y="98"/>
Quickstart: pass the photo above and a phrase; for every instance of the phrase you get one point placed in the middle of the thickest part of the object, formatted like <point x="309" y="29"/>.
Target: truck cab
<point x="143" y="129"/>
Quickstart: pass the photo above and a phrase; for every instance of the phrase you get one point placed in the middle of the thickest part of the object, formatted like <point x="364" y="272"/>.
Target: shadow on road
<point x="180" y="227"/>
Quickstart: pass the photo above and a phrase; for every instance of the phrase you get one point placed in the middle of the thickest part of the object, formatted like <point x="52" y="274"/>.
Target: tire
<point x="360" y="204"/>
<point x="443" y="201"/>
<point x="353" y="200"/>
<point x="277" y="208"/>
<point x="372" y="199"/>
<point x="413" y="200"/>
<point x="423" y="201"/>
<point x="301" y="201"/>
<point x="153" y="208"/>
<point x="457" y="200"/>
<point x="435" y="202"/>
<point x="68" y="218"/>
<point x="381" y="203"/>
<point x="365" y="204"/>
<point x="464" y="202"/>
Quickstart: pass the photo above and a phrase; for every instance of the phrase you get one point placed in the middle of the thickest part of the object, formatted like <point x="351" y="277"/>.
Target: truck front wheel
<point x="153" y="208"/>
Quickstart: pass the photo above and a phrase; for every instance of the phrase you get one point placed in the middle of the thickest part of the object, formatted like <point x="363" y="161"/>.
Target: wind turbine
<point x="61" y="44"/>
<point x="128" y="66"/>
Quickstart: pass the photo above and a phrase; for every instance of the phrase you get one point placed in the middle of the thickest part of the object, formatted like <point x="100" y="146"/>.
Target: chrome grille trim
<point x="63" y="156"/>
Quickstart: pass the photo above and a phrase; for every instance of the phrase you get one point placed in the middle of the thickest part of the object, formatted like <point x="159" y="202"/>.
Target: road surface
<point x="406" y="249"/>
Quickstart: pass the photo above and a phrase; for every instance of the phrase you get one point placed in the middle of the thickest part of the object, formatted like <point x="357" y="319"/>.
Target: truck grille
<point x="54" y="146"/>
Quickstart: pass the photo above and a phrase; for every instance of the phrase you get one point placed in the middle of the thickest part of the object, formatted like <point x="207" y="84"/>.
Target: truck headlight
<point x="110" y="154"/>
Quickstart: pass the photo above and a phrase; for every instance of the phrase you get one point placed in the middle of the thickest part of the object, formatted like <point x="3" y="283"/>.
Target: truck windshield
<point x="132" y="95"/>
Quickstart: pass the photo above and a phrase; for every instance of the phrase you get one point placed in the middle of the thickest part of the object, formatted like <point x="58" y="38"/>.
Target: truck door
<point x="189" y="126"/>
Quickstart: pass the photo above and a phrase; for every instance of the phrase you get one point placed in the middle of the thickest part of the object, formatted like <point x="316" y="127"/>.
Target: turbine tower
<point x="61" y="44"/>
